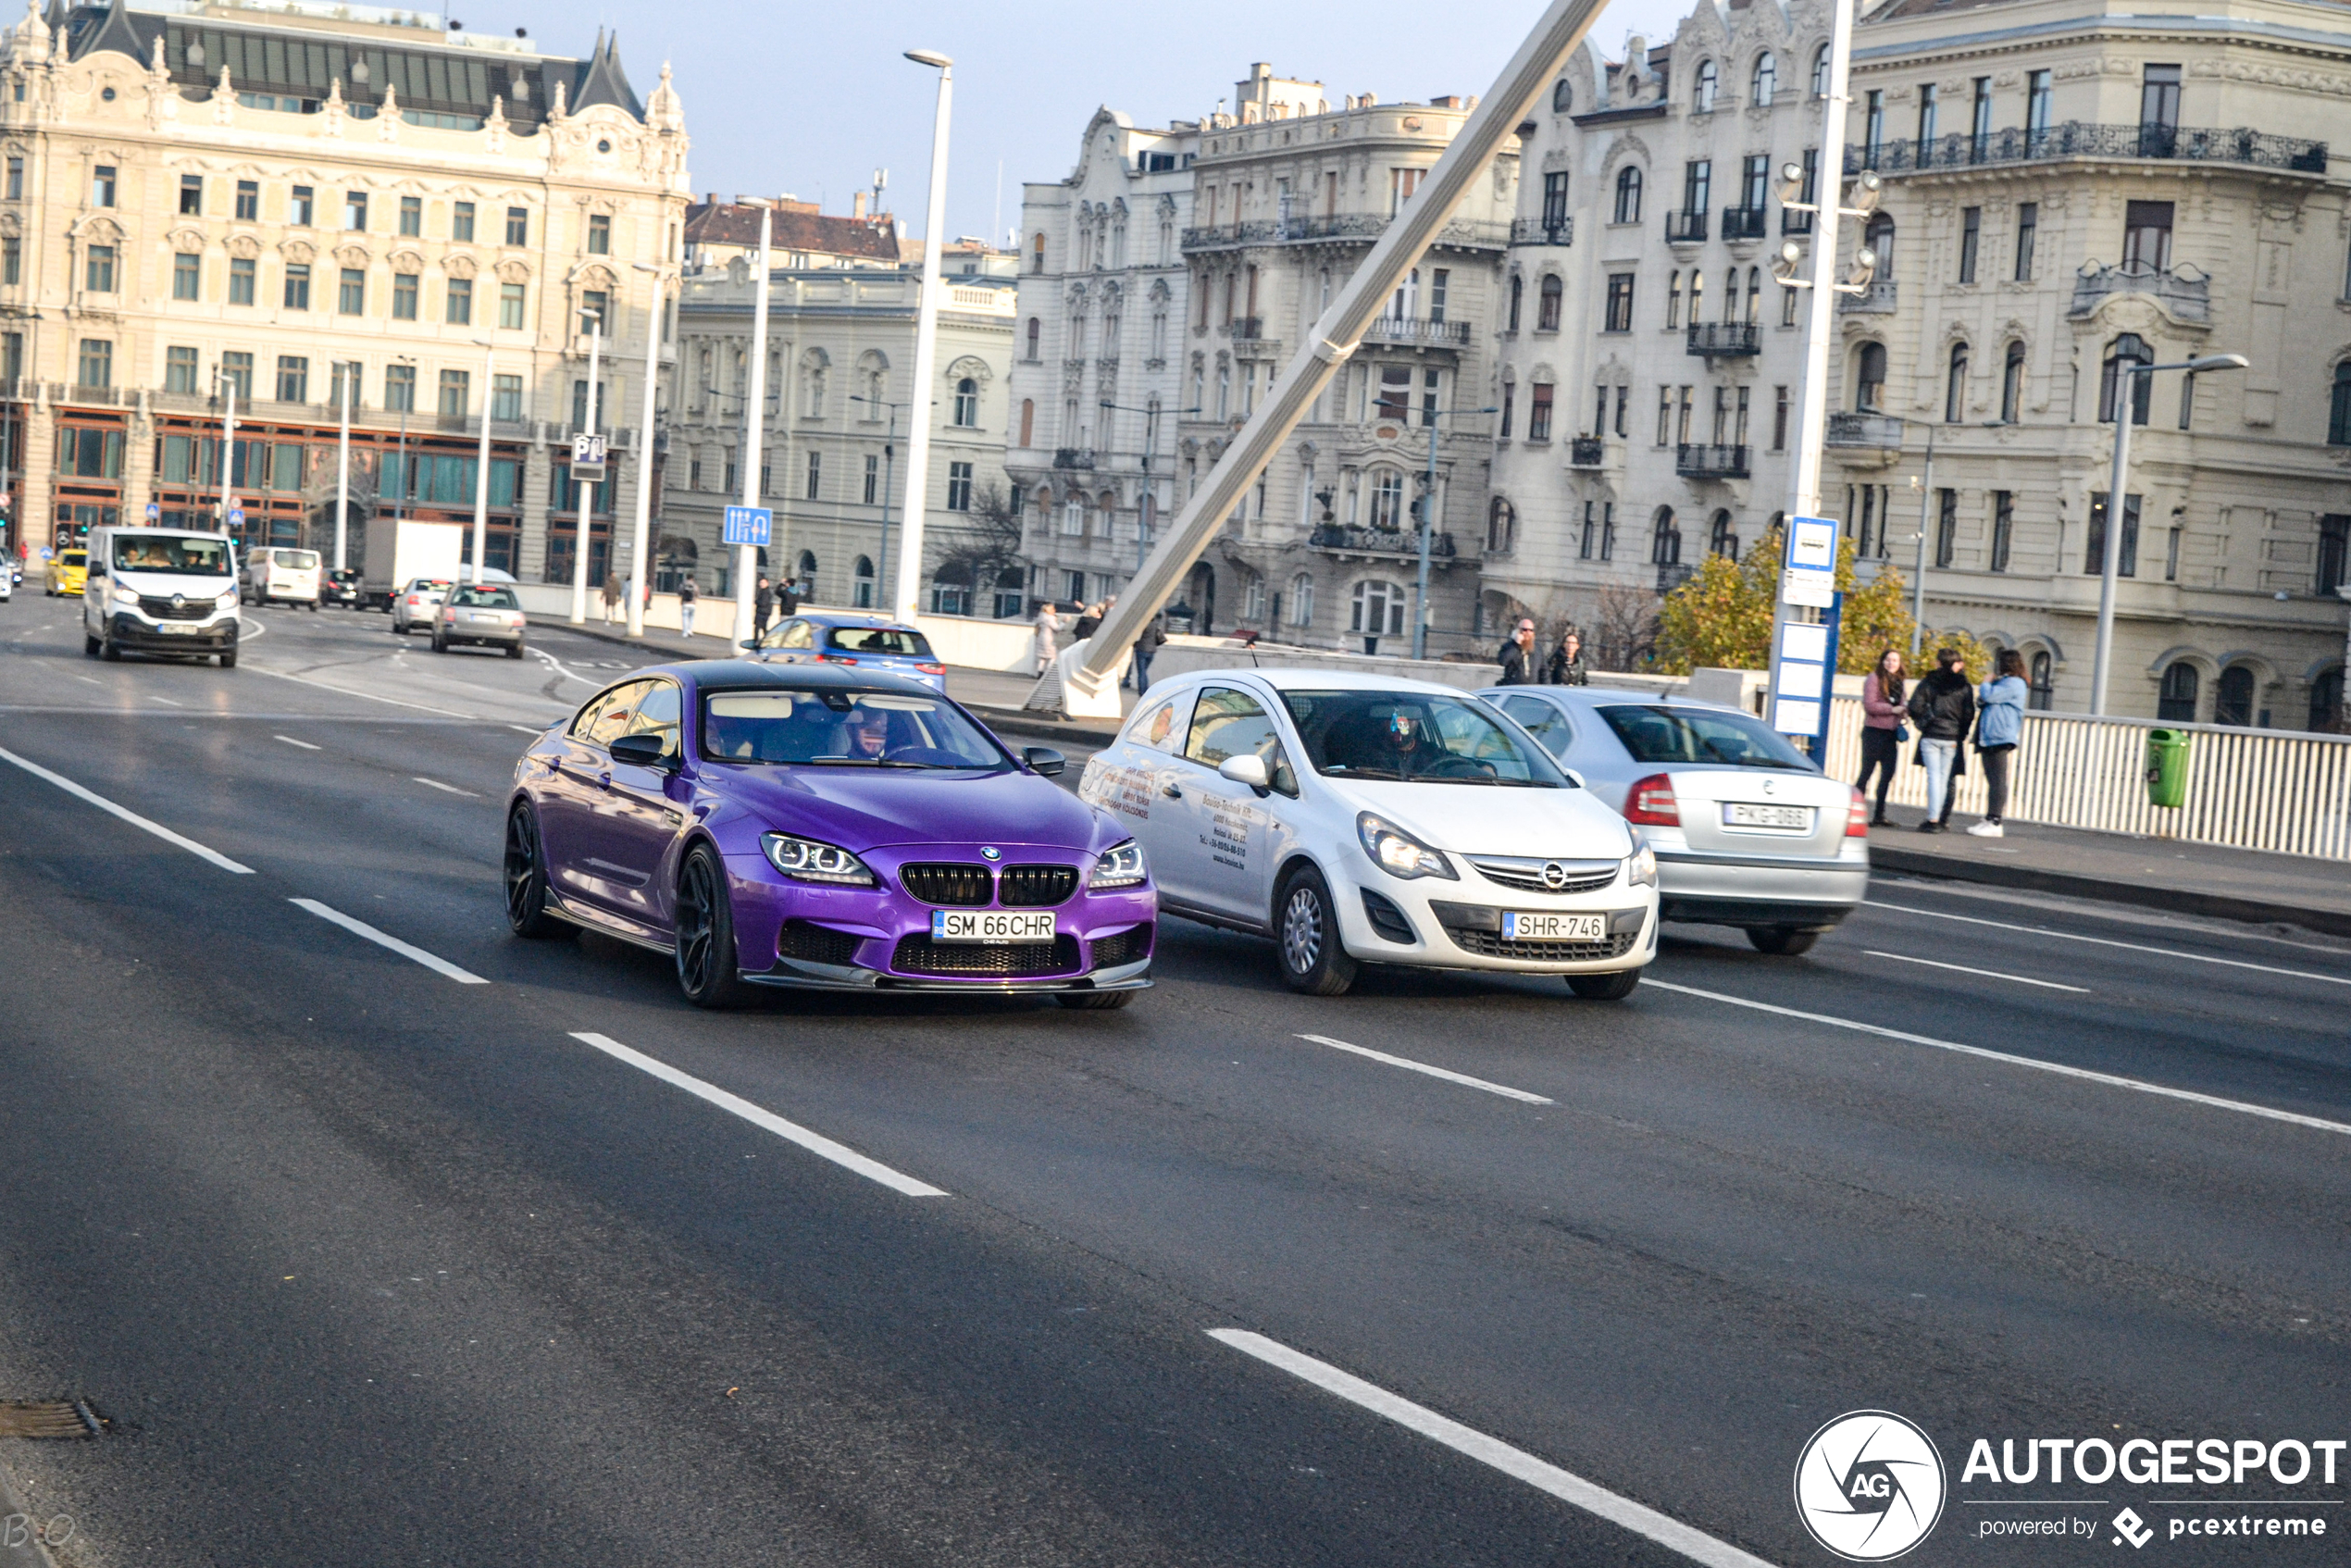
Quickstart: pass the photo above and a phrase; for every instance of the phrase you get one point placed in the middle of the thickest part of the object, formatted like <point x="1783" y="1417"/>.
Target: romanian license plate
<point x="990" y="926"/>
<point x="183" y="628"/>
<point x="1745" y="814"/>
<point x="1521" y="927"/>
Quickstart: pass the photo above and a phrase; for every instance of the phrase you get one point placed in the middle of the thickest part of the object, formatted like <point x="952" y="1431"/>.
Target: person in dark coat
<point x="788" y="598"/>
<point x="1943" y="706"/>
<point x="1153" y="638"/>
<point x="1567" y="666"/>
<point x="1518" y="658"/>
<point x="763" y="606"/>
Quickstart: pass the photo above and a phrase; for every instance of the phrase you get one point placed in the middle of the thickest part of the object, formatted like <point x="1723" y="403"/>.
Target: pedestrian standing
<point x="1566" y="667"/>
<point x="1047" y="624"/>
<point x="1146" y="647"/>
<point x="1942" y="705"/>
<point x="1517" y="658"/>
<point x="1883" y="731"/>
<point x="687" y="594"/>
<point x="1089" y="620"/>
<point x="763" y="606"/>
<point x="787" y="597"/>
<point x="1999" y="724"/>
<point x="612" y="597"/>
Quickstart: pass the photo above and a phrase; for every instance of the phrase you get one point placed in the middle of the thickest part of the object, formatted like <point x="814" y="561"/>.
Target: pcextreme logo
<point x="1869" y="1485"/>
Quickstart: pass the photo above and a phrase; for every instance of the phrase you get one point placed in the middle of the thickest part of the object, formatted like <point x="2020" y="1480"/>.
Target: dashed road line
<point x="291" y="741"/>
<point x="2110" y="941"/>
<point x="432" y="961"/>
<point x="1410" y="1066"/>
<point x="200" y="851"/>
<point x="437" y="784"/>
<point x="1963" y="969"/>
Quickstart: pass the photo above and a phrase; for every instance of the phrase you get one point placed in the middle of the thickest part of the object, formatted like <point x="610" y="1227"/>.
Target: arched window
<point x="2176" y="705"/>
<point x="1820" y="71"/>
<point x="1562" y="96"/>
<point x="1036" y="331"/>
<point x="807" y="575"/>
<point x="1731" y="296"/>
<point x="1767" y="79"/>
<point x="864" y="591"/>
<point x="1665" y="540"/>
<point x="2040" y="686"/>
<point x="1880" y="235"/>
<point x="1869" y="377"/>
<point x="967" y="403"/>
<point x="1388" y="499"/>
<point x="1378" y="609"/>
<point x="2012" y="383"/>
<point x="1628" y="194"/>
<point x="1702" y="94"/>
<point x="1955" y="386"/>
<point x="1547" y="309"/>
<point x="1753" y="294"/>
<point x="1301" y="599"/>
<point x="2128" y="349"/>
<point x="2233" y="698"/>
<point x="1502" y="527"/>
<point x="1518" y="297"/>
<point x="2339" y="409"/>
<point x="2326" y="702"/>
<point x="1027" y="421"/>
<point x="1724" y="538"/>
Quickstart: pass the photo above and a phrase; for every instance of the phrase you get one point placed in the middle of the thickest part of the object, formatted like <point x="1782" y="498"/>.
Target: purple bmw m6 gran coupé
<point x="818" y="828"/>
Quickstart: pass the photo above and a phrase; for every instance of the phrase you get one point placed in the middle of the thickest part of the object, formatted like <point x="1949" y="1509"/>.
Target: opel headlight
<point x="1398" y="852"/>
<point x="807" y="859"/>
<point x="1640" y="869"/>
<point x="1121" y="867"/>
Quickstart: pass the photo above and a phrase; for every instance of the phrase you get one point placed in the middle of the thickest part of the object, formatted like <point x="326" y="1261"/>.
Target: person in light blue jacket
<point x="1999" y="724"/>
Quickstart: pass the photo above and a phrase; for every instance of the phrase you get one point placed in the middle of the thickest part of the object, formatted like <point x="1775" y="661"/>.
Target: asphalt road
<point x="365" y="1263"/>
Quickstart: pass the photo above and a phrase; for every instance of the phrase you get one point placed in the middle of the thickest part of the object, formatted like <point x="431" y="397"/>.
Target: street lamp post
<point x="481" y="458"/>
<point x="400" y="496"/>
<point x="584" y="493"/>
<point x="2110" y="565"/>
<point x="1918" y="579"/>
<point x="639" y="542"/>
<point x="1428" y="517"/>
<point x="755" y="427"/>
<point x="890" y="477"/>
<point x="910" y="549"/>
<point x="342" y="469"/>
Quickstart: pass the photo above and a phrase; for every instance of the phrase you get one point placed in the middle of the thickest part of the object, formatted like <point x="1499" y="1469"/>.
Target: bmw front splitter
<point x="798" y="974"/>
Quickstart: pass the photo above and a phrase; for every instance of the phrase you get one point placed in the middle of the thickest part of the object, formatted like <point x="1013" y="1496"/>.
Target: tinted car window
<point x="658" y="713"/>
<point x="1230" y="724"/>
<point x="296" y="560"/>
<point x="484" y="598"/>
<point x="170" y="552"/>
<point x="1669" y="735"/>
<point x="1416" y="737"/>
<point x="896" y="642"/>
<point x="835" y="728"/>
<point x="605" y="716"/>
<point x="1546" y="723"/>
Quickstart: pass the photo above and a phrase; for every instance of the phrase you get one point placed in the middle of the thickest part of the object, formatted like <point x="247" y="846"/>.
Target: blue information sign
<point x="747" y="525"/>
<point x="236" y="516"/>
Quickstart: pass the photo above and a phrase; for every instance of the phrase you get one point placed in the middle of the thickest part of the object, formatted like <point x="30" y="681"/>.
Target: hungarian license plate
<point x="990" y="926"/>
<point x="1745" y="814"/>
<point x="1543" y="927"/>
<point x="183" y="628"/>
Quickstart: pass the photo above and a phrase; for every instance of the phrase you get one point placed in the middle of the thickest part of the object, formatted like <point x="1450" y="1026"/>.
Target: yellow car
<point x="69" y="573"/>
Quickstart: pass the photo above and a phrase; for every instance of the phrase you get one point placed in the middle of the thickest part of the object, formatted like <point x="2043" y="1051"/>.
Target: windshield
<point x="1417" y="737"/>
<point x="429" y="585"/>
<point x="170" y="552"/>
<point x="73" y="557"/>
<point x="296" y="560"/>
<point x="484" y="598"/>
<point x="1662" y="734"/>
<point x="844" y="728"/>
<point x="894" y="640"/>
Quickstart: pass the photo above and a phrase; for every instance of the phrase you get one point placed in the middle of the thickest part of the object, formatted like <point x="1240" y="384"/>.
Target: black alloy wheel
<point x="1605" y="988"/>
<point x="1306" y="935"/>
<point x="705" y="932"/>
<point x="526" y="872"/>
<point x="1785" y="941"/>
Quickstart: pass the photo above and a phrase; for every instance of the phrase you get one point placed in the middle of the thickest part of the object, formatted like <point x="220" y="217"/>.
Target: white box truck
<point x="395" y="552"/>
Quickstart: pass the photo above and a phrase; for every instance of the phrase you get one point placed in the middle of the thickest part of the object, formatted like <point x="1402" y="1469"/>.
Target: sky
<point x="811" y="101"/>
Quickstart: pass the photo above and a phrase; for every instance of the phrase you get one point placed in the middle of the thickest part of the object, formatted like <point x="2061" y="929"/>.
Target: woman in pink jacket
<point x="1881" y="728"/>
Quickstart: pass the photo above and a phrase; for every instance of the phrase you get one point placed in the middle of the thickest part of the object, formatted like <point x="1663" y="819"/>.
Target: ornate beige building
<point x="273" y="197"/>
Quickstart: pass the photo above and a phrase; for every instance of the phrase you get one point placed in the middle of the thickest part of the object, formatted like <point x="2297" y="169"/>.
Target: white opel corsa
<point x="1360" y="819"/>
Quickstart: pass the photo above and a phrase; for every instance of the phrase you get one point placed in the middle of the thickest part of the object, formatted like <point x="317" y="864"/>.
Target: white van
<point x="161" y="590"/>
<point x="278" y="576"/>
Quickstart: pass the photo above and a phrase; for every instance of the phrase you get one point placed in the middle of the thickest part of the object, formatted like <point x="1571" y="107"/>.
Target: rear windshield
<point x="296" y="560"/>
<point x="896" y="642"/>
<point x="1662" y="734"/>
<point x="490" y="598"/>
<point x="429" y="585"/>
<point x="844" y="728"/>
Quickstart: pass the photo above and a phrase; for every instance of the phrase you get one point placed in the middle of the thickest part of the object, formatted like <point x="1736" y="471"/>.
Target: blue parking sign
<point x="747" y="525"/>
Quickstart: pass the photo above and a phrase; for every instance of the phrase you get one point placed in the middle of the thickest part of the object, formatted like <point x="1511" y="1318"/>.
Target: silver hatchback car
<point x="1747" y="833"/>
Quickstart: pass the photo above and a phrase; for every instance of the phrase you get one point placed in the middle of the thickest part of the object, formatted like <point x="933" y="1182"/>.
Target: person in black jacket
<point x="762" y="606"/>
<point x="1567" y="668"/>
<point x="1943" y="706"/>
<point x="1517" y="657"/>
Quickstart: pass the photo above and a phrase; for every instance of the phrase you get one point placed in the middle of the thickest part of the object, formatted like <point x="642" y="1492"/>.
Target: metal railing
<point x="1881" y="430"/>
<point x="1586" y="452"/>
<point x="1693" y="461"/>
<point x="2283" y="790"/>
<point x="1876" y="298"/>
<point x="2185" y="292"/>
<point x="1341" y="226"/>
<point x="1073" y="458"/>
<point x="1417" y="329"/>
<point x="1380" y="542"/>
<point x="1543" y="232"/>
<point x="1745" y="223"/>
<point x="1246" y="328"/>
<point x="1795" y="222"/>
<point x="1684" y="227"/>
<point x="2076" y="139"/>
<point x="1723" y="338"/>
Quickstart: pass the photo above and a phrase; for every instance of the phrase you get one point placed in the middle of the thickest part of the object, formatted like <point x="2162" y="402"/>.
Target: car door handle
<point x="1172" y="792"/>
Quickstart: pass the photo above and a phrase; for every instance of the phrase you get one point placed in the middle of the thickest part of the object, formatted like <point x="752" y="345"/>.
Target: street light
<point x="1427" y="507"/>
<point x="638" y="542"/>
<point x="909" y="550"/>
<point x="482" y="461"/>
<point x="2125" y="397"/>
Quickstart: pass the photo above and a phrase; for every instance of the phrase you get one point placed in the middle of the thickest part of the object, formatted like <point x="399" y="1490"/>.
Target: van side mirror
<point x="1044" y="761"/>
<point x="644" y="749"/>
<point x="1247" y="768"/>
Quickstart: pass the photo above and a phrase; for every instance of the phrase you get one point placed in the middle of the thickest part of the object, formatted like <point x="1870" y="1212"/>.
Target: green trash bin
<point x="2168" y="767"/>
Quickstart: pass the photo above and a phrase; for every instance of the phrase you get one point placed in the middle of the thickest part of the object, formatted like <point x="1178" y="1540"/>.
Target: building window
<point x="1378" y="609"/>
<point x="2335" y="554"/>
<point x="98" y="270"/>
<point x="2129" y="349"/>
<point x="873" y="479"/>
<point x="299" y="207"/>
<point x="294" y="379"/>
<point x="2037" y="102"/>
<point x="16" y="178"/>
<point x="248" y="200"/>
<point x="1547" y="304"/>
<point x="1929" y="102"/>
<point x="403" y="296"/>
<point x="459" y="303"/>
<point x="1698" y="187"/>
<point x="967" y="410"/>
<point x="2176" y="701"/>
<point x="96" y="369"/>
<point x="1591" y="532"/>
<point x="2028" y="224"/>
<point x="511" y="299"/>
<point x="1501" y="525"/>
<point x="958" y="489"/>
<point x="354" y="209"/>
<point x="1779" y="419"/>
<point x="1510" y="396"/>
<point x="1868" y="381"/>
<point x="2093" y="556"/>
<point x="2041" y="683"/>
<point x="1388" y="499"/>
<point x="1665" y="540"/>
<point x="2012" y="383"/>
<point x="1664" y="415"/>
<point x="236" y="373"/>
<point x="1787" y="307"/>
<point x="179" y="370"/>
<point x="192" y="196"/>
<point x="1970" y="234"/>
<point x="297" y="291"/>
<point x="2147" y="237"/>
<point x="1538" y="411"/>
<point x="1518" y="298"/>
<point x="1820" y="71"/>
<point x="1955" y="387"/>
<point x="2003" y="527"/>
<point x="1035" y="331"/>
<point x="1765" y="84"/>
<point x="1980" y="125"/>
<point x="101" y="185"/>
<point x="399" y="389"/>
<point x="1724" y="538"/>
<point x="1555" y="199"/>
<point x="1628" y="194"/>
<point x="1620" y="302"/>
<point x="595" y="315"/>
<point x="456" y="394"/>
<point x="815" y="476"/>
<point x="518" y="226"/>
<point x="187" y="273"/>
<point x="506" y="398"/>
<point x="2233" y="697"/>
<point x="1703" y="93"/>
<point x="1946" y="526"/>
<point x="1872" y="127"/>
<point x="599" y="233"/>
<point x="351" y="294"/>
<point x="412" y="216"/>
<point x="2159" y="109"/>
<point x="461" y="220"/>
<point x="1562" y="96"/>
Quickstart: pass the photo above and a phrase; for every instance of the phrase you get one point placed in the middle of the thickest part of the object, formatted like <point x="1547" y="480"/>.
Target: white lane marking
<point x="437" y="784"/>
<point x="525" y="729"/>
<point x="1963" y="969"/>
<point x="434" y="961"/>
<point x="165" y="700"/>
<point x="791" y="1132"/>
<point x="2108" y="941"/>
<point x="291" y="741"/>
<point x="370" y="696"/>
<point x="1517" y="1463"/>
<point x="563" y="669"/>
<point x="2084" y="1073"/>
<point x="2115" y="914"/>
<point x="92" y="680"/>
<point x="132" y="817"/>
<point x="1410" y="1066"/>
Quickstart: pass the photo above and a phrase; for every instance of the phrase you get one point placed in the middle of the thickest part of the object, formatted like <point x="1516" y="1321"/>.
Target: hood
<point x="862" y="809"/>
<point x="164" y="584"/>
<point x="1478" y="819"/>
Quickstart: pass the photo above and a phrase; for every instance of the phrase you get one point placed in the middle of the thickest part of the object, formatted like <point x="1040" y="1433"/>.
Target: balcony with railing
<point x="1388" y="543"/>
<point x="1693" y="461"/>
<point x="1543" y="232"/>
<point x="1417" y="329"/>
<point x="1795" y="222"/>
<point x="1365" y="227"/>
<point x="1876" y="298"/>
<point x="1722" y="340"/>
<point x="2075" y="139"/>
<point x="1672" y="575"/>
<point x="2185" y="292"/>
<point x="1246" y="328"/>
<point x="1879" y="431"/>
<point x="1746" y="223"/>
<point x="1586" y="452"/>
<point x="1684" y="227"/>
<point x="1073" y="458"/>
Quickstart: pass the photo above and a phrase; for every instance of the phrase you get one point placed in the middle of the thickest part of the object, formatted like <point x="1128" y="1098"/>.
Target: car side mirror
<point x="748" y="643"/>
<point x="1575" y="779"/>
<point x="644" y="749"/>
<point x="1246" y="768"/>
<point x="1044" y="761"/>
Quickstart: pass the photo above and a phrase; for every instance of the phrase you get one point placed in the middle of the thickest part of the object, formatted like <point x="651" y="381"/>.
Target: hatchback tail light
<point x="1651" y="801"/>
<point x="1857" y="819"/>
<point x="932" y="669"/>
<point x="835" y="659"/>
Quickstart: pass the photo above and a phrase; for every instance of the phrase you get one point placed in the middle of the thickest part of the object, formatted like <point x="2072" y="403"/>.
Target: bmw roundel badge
<point x="991" y="852"/>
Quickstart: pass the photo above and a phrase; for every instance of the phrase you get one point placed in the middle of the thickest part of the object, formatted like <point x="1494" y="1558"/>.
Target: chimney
<point x="857" y="204"/>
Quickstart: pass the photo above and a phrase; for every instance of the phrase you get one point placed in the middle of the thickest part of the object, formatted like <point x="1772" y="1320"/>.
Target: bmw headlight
<point x="1640" y="869"/>
<point x="1398" y="852"/>
<point x="808" y="860"/>
<point x="1120" y="867"/>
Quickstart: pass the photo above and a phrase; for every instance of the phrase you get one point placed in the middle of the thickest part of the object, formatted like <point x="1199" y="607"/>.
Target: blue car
<point x="872" y="644"/>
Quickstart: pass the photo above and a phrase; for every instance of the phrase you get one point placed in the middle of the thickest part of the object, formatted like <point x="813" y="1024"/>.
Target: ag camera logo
<point x="1869" y="1486"/>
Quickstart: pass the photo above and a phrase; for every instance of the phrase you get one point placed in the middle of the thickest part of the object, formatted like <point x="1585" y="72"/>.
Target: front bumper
<point x="1458" y="924"/>
<point x="133" y="632"/>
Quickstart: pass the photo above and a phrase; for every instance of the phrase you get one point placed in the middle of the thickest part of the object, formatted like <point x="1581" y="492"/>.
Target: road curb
<point x="2177" y="901"/>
